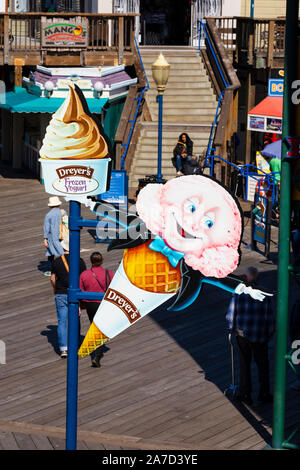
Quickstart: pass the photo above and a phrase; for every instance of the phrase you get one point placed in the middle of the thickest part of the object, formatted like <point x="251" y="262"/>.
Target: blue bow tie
<point x="158" y="244"/>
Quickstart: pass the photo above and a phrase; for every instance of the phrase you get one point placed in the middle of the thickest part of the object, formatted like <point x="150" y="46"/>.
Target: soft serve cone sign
<point x="74" y="155"/>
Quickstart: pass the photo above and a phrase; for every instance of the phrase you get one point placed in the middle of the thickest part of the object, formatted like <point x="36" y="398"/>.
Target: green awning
<point x="20" y="101"/>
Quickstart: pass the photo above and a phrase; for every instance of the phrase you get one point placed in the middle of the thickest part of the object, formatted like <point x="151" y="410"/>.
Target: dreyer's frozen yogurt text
<point x="73" y="134"/>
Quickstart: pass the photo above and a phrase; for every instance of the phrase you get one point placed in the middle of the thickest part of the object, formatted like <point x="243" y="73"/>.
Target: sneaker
<point x="64" y="354"/>
<point x="47" y="273"/>
<point x="265" y="398"/>
<point x="179" y="173"/>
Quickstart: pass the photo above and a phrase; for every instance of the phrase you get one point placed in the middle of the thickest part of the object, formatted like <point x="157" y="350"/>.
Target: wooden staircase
<point x="189" y="106"/>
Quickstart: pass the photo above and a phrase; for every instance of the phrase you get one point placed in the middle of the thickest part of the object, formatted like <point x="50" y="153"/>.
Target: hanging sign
<point x="64" y="33"/>
<point x="264" y="124"/>
<point x="275" y="87"/>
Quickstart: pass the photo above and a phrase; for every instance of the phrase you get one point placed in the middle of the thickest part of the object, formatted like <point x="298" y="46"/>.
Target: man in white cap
<point x="51" y="230"/>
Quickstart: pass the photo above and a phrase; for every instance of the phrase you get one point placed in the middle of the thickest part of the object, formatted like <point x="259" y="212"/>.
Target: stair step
<point x="201" y="93"/>
<point x="194" y="70"/>
<point x="172" y="139"/>
<point x="189" y="106"/>
<point x="198" y="92"/>
<point x="183" y="105"/>
<point x="173" y="111"/>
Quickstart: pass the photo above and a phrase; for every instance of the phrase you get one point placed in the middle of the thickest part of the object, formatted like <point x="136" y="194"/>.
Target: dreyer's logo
<point x="75" y="180"/>
<point x="123" y="304"/>
<point x="66" y="171"/>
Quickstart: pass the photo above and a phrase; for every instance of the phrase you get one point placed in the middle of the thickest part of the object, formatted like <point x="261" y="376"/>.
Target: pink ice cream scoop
<point x="197" y="216"/>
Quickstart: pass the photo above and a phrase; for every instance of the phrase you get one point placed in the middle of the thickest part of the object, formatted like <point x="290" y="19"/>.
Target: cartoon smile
<point x="183" y="233"/>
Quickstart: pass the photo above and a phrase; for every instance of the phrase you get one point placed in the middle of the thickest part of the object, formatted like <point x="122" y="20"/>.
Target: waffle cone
<point x="93" y="339"/>
<point x="150" y="270"/>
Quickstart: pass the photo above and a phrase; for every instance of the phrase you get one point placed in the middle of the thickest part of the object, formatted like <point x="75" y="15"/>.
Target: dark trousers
<point x="259" y="351"/>
<point x="91" y="309"/>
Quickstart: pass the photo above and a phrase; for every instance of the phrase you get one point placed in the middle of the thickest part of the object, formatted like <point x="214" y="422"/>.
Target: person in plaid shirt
<point x="253" y="322"/>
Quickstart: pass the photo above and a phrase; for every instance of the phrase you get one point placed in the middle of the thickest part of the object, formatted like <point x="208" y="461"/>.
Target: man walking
<point x="60" y="282"/>
<point x="254" y="323"/>
<point x="51" y="231"/>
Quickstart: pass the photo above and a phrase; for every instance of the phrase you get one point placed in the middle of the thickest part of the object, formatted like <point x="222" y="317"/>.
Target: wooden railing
<point x="254" y="37"/>
<point x="21" y="36"/>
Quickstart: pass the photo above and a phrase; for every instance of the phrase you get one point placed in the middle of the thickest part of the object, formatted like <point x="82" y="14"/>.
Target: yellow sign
<point x="262" y="164"/>
<point x="19" y="61"/>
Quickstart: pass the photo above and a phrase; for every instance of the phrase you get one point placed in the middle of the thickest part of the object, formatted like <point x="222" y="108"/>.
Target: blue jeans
<point x="179" y="161"/>
<point x="61" y="303"/>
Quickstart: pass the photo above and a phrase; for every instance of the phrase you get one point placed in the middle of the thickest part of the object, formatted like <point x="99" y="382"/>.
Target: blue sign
<point x="117" y="193"/>
<point x="275" y="87"/>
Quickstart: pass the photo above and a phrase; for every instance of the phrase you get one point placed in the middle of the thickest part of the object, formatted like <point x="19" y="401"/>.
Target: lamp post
<point x="252" y="9"/>
<point x="160" y="73"/>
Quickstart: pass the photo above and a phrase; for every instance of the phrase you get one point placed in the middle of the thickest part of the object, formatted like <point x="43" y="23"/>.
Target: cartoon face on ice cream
<point x="197" y="216"/>
<point x="189" y="234"/>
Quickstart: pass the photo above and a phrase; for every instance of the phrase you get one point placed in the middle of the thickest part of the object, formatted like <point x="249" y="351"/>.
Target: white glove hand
<point x="256" y="294"/>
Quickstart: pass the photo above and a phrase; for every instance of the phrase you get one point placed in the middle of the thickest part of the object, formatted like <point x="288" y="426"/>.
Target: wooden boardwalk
<point x="161" y="382"/>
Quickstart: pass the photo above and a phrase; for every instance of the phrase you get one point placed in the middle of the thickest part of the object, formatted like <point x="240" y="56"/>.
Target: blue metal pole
<point x="159" y="100"/>
<point x="73" y="327"/>
<point x="252" y="9"/>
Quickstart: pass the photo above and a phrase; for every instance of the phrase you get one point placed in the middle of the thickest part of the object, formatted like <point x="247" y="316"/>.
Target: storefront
<point x="168" y="22"/>
<point x="26" y="111"/>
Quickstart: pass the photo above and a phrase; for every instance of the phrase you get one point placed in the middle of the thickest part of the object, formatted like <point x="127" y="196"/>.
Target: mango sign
<point x="64" y="33"/>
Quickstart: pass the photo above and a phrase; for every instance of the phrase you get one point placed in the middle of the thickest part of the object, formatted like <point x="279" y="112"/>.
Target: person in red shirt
<point x="95" y="279"/>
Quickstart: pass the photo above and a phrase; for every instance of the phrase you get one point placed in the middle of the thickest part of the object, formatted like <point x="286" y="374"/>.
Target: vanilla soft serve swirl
<point x="73" y="134"/>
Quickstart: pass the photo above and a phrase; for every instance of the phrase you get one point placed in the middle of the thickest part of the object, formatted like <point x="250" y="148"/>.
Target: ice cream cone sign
<point x="75" y="155"/>
<point x="190" y="231"/>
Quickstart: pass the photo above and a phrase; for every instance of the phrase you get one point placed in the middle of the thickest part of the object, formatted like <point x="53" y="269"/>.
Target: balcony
<point x="253" y="42"/>
<point x="71" y="39"/>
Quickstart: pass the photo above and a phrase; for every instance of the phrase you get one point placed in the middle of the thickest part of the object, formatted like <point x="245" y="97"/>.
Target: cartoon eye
<point x="208" y="220"/>
<point x="209" y="223"/>
<point x="190" y="206"/>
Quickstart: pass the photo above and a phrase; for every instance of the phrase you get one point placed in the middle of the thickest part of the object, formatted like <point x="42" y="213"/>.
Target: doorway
<point x="165" y="23"/>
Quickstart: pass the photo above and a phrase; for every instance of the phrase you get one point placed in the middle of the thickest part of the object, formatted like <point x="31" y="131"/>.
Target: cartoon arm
<point x="192" y="282"/>
<point x="234" y="285"/>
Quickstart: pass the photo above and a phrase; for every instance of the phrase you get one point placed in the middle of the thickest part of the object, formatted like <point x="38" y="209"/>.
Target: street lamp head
<point x="160" y="73"/>
<point x="98" y="89"/>
<point x="49" y="87"/>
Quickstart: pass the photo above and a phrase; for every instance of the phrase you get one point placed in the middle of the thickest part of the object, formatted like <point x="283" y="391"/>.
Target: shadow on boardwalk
<point x="162" y="380"/>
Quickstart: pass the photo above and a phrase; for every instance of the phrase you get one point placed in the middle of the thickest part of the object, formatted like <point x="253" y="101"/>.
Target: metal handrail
<point x="269" y="177"/>
<point x="202" y="26"/>
<point x="146" y="88"/>
<point x="213" y="127"/>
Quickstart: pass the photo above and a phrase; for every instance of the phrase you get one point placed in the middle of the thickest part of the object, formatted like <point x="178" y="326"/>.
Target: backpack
<point x="64" y="226"/>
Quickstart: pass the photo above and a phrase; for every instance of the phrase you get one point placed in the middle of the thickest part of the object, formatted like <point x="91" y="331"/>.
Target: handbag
<point x="107" y="277"/>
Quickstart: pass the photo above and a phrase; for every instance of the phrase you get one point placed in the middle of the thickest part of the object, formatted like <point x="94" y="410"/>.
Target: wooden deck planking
<point x="161" y="379"/>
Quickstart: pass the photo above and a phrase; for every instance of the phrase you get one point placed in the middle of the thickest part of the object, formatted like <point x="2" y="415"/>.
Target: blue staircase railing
<point x="139" y="100"/>
<point x="225" y="84"/>
<point x="245" y="172"/>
